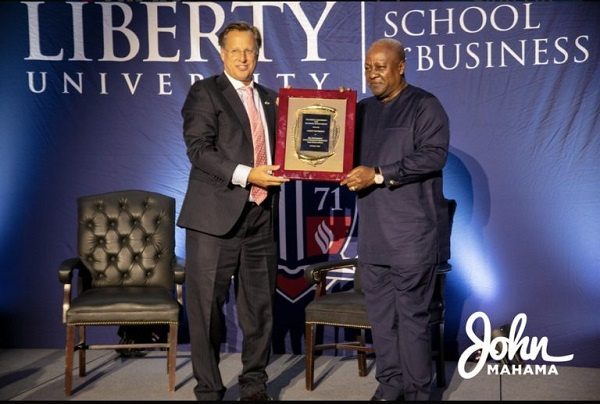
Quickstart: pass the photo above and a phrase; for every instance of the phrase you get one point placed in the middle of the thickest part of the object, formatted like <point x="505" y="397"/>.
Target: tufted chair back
<point x="127" y="238"/>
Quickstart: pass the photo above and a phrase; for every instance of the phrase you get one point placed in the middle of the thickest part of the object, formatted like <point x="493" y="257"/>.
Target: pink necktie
<point x="258" y="139"/>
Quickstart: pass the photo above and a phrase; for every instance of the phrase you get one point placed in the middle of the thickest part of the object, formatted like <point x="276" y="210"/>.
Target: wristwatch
<point x="378" y="176"/>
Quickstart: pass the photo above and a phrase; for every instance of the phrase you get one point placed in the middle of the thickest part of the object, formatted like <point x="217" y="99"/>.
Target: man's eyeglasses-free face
<point x="236" y="53"/>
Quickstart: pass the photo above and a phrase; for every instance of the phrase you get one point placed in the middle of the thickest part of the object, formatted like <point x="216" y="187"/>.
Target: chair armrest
<point x="179" y="277"/>
<point x="444" y="267"/>
<point x="66" y="268"/>
<point x="179" y="270"/>
<point x="65" y="276"/>
<point x="315" y="273"/>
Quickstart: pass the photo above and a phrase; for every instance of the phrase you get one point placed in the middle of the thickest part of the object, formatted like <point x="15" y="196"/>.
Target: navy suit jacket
<point x="218" y="137"/>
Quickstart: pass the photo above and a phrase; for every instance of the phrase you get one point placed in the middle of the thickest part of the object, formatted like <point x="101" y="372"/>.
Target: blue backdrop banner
<point x="90" y="101"/>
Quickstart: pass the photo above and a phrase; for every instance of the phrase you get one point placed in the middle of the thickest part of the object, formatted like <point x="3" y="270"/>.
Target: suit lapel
<point x="269" y="107"/>
<point x="237" y="106"/>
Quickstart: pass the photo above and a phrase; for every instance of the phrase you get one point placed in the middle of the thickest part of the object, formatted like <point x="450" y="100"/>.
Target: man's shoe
<point x="130" y="352"/>
<point x="260" y="395"/>
<point x="375" y="398"/>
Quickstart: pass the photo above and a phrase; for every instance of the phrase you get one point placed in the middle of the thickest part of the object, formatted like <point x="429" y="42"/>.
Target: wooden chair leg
<point x="362" y="355"/>
<point x="310" y="355"/>
<point x="82" y="349"/>
<point x="440" y="363"/>
<point x="69" y="351"/>
<point x="172" y="356"/>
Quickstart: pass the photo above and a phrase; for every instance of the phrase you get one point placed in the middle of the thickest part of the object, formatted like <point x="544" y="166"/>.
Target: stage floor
<point x="37" y="375"/>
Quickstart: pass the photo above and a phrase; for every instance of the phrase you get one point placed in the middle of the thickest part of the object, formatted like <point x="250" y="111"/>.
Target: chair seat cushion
<point x="340" y="309"/>
<point x="347" y="309"/>
<point x="123" y="305"/>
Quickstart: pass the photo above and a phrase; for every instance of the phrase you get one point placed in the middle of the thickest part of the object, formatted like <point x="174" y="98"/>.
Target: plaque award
<point x="315" y="134"/>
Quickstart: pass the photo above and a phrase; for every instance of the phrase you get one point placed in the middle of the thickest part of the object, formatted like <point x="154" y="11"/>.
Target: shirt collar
<point x="236" y="83"/>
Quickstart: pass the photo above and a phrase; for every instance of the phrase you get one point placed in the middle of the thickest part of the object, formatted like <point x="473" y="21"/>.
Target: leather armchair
<point x="126" y="273"/>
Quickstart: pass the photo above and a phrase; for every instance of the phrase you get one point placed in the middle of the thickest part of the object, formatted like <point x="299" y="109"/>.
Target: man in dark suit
<point x="403" y="133"/>
<point x="230" y="229"/>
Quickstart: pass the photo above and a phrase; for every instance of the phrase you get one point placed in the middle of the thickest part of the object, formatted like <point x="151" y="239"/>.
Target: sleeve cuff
<point x="240" y="175"/>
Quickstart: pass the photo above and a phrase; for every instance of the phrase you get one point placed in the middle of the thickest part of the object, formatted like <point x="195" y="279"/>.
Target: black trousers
<point x="248" y="256"/>
<point x="398" y="299"/>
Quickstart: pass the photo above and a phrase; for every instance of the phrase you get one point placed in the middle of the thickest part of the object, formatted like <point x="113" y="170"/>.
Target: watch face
<point x="378" y="179"/>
